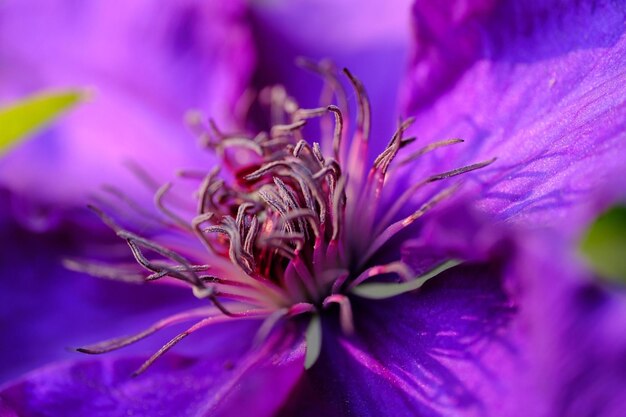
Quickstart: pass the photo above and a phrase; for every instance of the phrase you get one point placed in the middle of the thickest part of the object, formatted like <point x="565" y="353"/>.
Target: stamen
<point x="370" y="197"/>
<point x="135" y="242"/>
<point x="302" y="144"/>
<point x="158" y="201"/>
<point x="304" y="214"/>
<point x="119" y="272"/>
<point x="289" y="238"/>
<point x="242" y="142"/>
<point x="337" y="135"/>
<point x="203" y="323"/>
<point x="159" y="353"/>
<point x="195" y="121"/>
<point x="301" y="308"/>
<point x="317" y="152"/>
<point x="399" y="268"/>
<point x="328" y="72"/>
<point x="339" y="198"/>
<point x="429" y="148"/>
<point x="396" y="227"/>
<point x="204" y="192"/>
<point x="248" y="244"/>
<point x="133" y="205"/>
<point x="280" y="130"/>
<point x="461" y="170"/>
<point x="386" y="157"/>
<point x="291" y="229"/>
<point x="196" y="225"/>
<point x="364" y="109"/>
<point x="275" y="96"/>
<point x="166" y="270"/>
<point x="239" y="220"/>
<point x="120" y="342"/>
<point x="410" y="192"/>
<point x="147" y="180"/>
<point x="244" y="104"/>
<point x="345" y="311"/>
<point x="303" y="114"/>
<point x="358" y="149"/>
<point x="235" y="252"/>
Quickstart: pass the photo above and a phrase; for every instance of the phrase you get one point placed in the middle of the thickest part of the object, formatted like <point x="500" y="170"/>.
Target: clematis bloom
<point x="458" y="345"/>
<point x="292" y="234"/>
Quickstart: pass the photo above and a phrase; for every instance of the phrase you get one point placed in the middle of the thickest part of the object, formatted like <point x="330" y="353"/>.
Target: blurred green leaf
<point x="604" y="245"/>
<point x="382" y="290"/>
<point x="21" y="119"/>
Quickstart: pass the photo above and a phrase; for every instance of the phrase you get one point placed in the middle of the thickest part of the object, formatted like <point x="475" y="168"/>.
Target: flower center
<point x="297" y="226"/>
<point x="280" y="222"/>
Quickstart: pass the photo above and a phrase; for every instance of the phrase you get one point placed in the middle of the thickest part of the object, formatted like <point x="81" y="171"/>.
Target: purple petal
<point x="518" y="81"/>
<point x="449" y="349"/>
<point x="226" y="381"/>
<point x="147" y="64"/>
<point x="369" y="38"/>
<point x="578" y="345"/>
<point x="45" y="309"/>
<point x="42" y="316"/>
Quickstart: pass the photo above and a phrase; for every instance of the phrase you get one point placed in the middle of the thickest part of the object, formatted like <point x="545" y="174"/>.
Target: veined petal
<point x="147" y="65"/>
<point x="523" y="85"/>
<point x="450" y="349"/>
<point x="226" y="382"/>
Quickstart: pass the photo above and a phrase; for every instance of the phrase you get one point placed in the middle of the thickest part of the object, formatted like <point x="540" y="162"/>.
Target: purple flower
<point x="294" y="235"/>
<point x="519" y="80"/>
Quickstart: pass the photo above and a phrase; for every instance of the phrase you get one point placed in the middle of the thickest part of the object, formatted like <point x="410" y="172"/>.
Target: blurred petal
<point x="147" y="64"/>
<point x="578" y="344"/>
<point x="370" y="38"/>
<point x="46" y="309"/>
<point x="226" y="382"/>
<point x="517" y="81"/>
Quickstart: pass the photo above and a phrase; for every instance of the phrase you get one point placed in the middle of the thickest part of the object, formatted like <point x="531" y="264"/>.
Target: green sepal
<point x="22" y="118"/>
<point x="313" y="341"/>
<point x="604" y="244"/>
<point x="381" y="290"/>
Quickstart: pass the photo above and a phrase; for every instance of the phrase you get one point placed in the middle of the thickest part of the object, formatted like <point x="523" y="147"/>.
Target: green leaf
<point x="21" y="119"/>
<point x="313" y="341"/>
<point x="604" y="244"/>
<point x="381" y="290"/>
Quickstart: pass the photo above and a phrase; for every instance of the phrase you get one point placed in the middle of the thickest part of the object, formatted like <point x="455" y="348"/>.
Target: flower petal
<point x="577" y="341"/>
<point x="448" y="349"/>
<point x="226" y="382"/>
<point x="46" y="309"/>
<point x="371" y="39"/>
<point x="518" y="81"/>
<point x="147" y="64"/>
